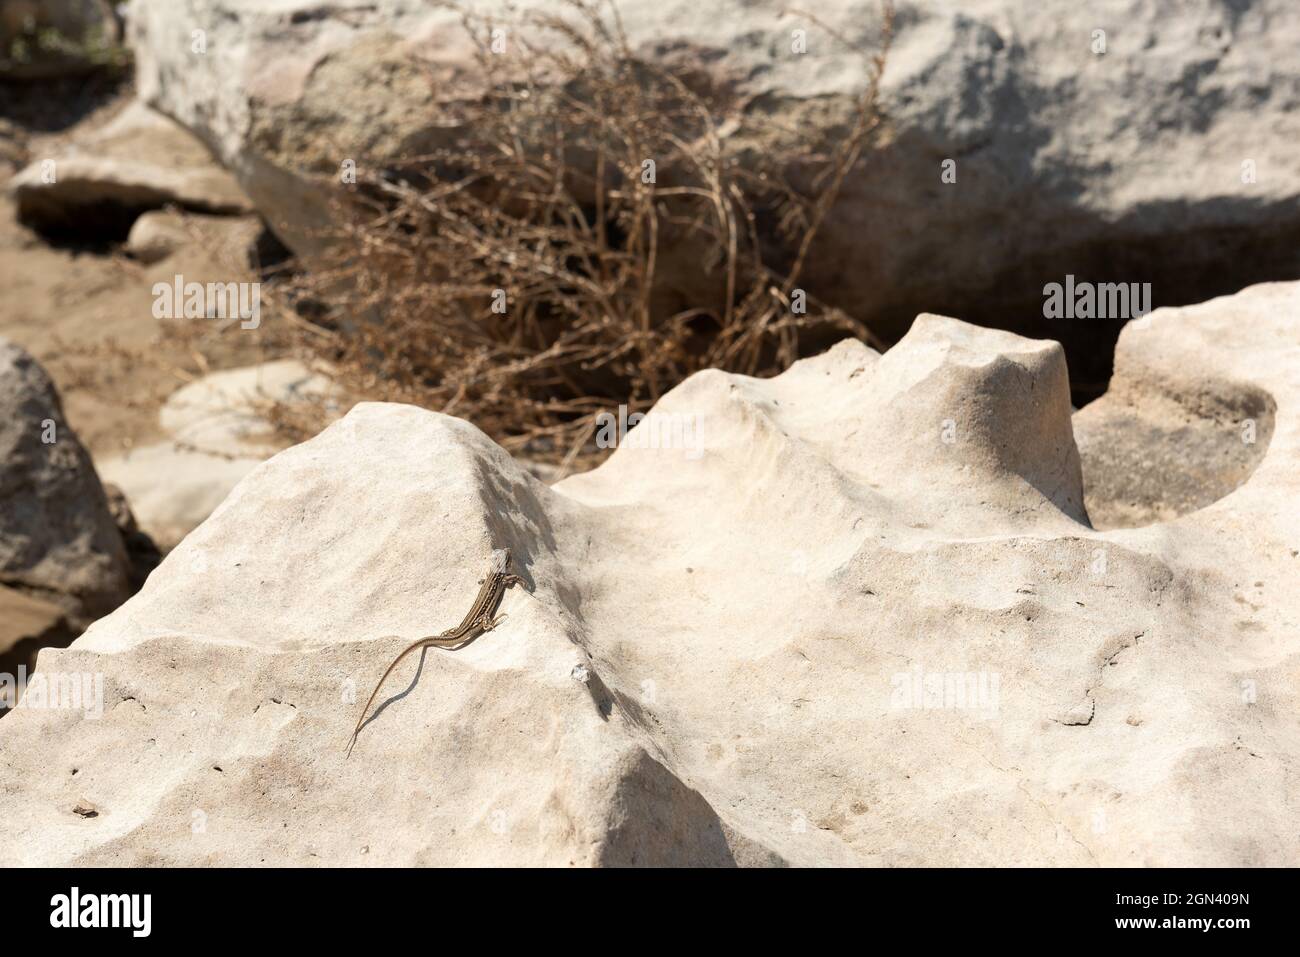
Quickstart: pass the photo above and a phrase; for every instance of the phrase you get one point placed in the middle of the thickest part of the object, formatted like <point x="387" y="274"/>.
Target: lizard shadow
<point x="415" y="680"/>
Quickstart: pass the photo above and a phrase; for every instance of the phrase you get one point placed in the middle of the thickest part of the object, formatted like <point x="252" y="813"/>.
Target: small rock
<point x="216" y="435"/>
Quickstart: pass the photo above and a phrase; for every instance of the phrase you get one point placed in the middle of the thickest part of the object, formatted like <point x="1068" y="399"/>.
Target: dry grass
<point x="529" y="273"/>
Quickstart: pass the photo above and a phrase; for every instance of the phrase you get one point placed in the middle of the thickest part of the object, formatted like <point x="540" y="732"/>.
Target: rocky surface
<point x="1175" y="432"/>
<point x="62" y="558"/>
<point x="139" y="161"/>
<point x="159" y="234"/>
<point x="216" y="431"/>
<point x="156" y="235"/>
<point x="1168" y="158"/>
<point x="57" y="536"/>
<point x="854" y="614"/>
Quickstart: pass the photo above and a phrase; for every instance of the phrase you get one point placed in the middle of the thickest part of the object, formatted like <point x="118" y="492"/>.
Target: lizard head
<point x="500" y="561"/>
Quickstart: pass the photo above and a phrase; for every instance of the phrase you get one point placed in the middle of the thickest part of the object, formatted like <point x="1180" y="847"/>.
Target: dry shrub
<point x="616" y="284"/>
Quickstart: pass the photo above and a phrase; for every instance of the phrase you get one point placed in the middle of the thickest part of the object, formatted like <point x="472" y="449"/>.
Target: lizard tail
<point x="432" y="640"/>
<point x="361" y="719"/>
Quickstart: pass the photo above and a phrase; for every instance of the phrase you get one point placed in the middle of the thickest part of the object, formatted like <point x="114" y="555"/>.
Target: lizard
<point x="478" y="620"/>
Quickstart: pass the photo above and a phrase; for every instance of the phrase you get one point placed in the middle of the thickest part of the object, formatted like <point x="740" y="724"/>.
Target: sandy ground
<point x="86" y="313"/>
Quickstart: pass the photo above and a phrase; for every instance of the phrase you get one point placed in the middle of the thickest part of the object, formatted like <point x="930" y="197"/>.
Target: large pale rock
<point x="139" y="161"/>
<point x="853" y="614"/>
<point x="58" y="540"/>
<point x="1168" y="158"/>
<point x="217" y="432"/>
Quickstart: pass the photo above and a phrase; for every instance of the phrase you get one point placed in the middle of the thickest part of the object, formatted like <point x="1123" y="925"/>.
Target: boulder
<point x="58" y="540"/>
<point x="853" y="614"/>
<point x="1111" y="141"/>
<point x="139" y="161"/>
